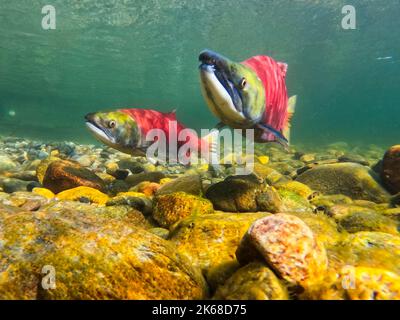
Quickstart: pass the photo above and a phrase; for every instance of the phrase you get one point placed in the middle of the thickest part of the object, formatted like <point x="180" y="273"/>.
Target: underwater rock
<point x="323" y="203"/>
<point x="160" y="232"/>
<point x="6" y="164"/>
<point x="46" y="193"/>
<point x="117" y="186"/>
<point x="339" y="211"/>
<point x="76" y="194"/>
<point x="360" y="283"/>
<point x="20" y="198"/>
<point x="269" y="200"/>
<point x="254" y="281"/>
<point x="271" y="176"/>
<point x="147" y="188"/>
<point x="391" y="169"/>
<point x="368" y="221"/>
<point x="350" y="179"/>
<point x="236" y="193"/>
<point x="288" y="246"/>
<point x="13" y="185"/>
<point x="211" y="241"/>
<point x="355" y="158"/>
<point x="135" y="179"/>
<point x="307" y="158"/>
<point x="119" y="174"/>
<point x="133" y="166"/>
<point x="295" y="186"/>
<point x="368" y="249"/>
<point x="135" y="200"/>
<point x="293" y="202"/>
<point x="170" y="208"/>
<point x="63" y="175"/>
<point x="84" y="160"/>
<point x="325" y="229"/>
<point x="190" y="184"/>
<point x="24" y="175"/>
<point x="111" y="259"/>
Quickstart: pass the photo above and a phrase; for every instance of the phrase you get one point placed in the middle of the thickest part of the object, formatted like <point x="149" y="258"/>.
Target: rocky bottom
<point x="84" y="222"/>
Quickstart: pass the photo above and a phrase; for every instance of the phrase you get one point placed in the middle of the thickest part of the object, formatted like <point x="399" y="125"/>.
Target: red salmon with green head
<point x="248" y="95"/>
<point x="126" y="130"/>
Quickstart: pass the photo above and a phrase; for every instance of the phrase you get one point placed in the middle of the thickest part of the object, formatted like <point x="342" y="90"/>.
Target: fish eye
<point x="112" y="124"/>
<point x="243" y="83"/>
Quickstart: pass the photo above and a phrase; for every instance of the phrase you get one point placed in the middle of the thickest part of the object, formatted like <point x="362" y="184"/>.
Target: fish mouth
<point x="225" y="100"/>
<point x="98" y="131"/>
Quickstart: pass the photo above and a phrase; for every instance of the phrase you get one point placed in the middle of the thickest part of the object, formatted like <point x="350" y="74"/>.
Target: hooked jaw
<point x="97" y="130"/>
<point x="218" y="88"/>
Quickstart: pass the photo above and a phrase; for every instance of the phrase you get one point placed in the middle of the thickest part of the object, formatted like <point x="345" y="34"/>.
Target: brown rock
<point x="63" y="175"/>
<point x="289" y="246"/>
<point x="391" y="169"/>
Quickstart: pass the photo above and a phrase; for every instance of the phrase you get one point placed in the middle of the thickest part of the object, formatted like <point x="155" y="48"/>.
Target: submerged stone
<point x="391" y="169"/>
<point x="171" y="208"/>
<point x="254" y="281"/>
<point x="93" y="258"/>
<point x="211" y="241"/>
<point x="190" y="184"/>
<point x="236" y="194"/>
<point x="288" y="246"/>
<point x="350" y="179"/>
<point x="63" y="175"/>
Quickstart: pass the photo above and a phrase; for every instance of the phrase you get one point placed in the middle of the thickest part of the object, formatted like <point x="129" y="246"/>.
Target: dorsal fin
<point x="172" y="113"/>
<point x="284" y="67"/>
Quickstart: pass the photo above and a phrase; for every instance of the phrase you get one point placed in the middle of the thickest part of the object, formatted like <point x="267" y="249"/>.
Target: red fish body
<point x="148" y="120"/>
<point x="273" y="76"/>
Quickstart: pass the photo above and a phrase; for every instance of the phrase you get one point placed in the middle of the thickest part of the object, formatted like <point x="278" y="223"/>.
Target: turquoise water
<point x="109" y="54"/>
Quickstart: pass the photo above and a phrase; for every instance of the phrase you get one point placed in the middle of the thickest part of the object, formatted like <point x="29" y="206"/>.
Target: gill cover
<point x="233" y="91"/>
<point x="115" y="129"/>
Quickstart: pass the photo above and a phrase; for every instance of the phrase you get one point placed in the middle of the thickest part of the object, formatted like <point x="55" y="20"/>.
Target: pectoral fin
<point x="280" y="138"/>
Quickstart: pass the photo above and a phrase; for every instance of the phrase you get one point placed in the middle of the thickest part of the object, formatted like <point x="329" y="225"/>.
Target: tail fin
<point x="291" y="109"/>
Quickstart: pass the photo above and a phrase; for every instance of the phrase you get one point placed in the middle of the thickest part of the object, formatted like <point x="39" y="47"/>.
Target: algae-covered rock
<point x="296" y="187"/>
<point x="63" y="175"/>
<point x="190" y="184"/>
<point x="170" y="208"/>
<point x="81" y="193"/>
<point x="269" y="200"/>
<point x="211" y="241"/>
<point x="135" y="179"/>
<point x="19" y="199"/>
<point x="136" y="200"/>
<point x="350" y="179"/>
<point x="270" y="175"/>
<point x="368" y="221"/>
<point x="236" y="194"/>
<point x="293" y="202"/>
<point x="6" y="164"/>
<point x="368" y="249"/>
<point x="324" y="228"/>
<point x="160" y="232"/>
<point x="92" y="257"/>
<point x="288" y="246"/>
<point x="391" y="169"/>
<point x="11" y="185"/>
<point x="360" y="283"/>
<point x="254" y="281"/>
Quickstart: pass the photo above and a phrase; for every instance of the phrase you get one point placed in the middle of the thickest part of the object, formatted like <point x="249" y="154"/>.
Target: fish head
<point x="116" y="129"/>
<point x="233" y="91"/>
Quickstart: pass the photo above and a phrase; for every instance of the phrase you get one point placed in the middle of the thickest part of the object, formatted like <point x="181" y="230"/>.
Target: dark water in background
<point x="143" y="53"/>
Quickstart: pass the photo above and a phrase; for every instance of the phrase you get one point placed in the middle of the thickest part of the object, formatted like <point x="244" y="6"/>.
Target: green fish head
<point x="233" y="91"/>
<point x="116" y="129"/>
